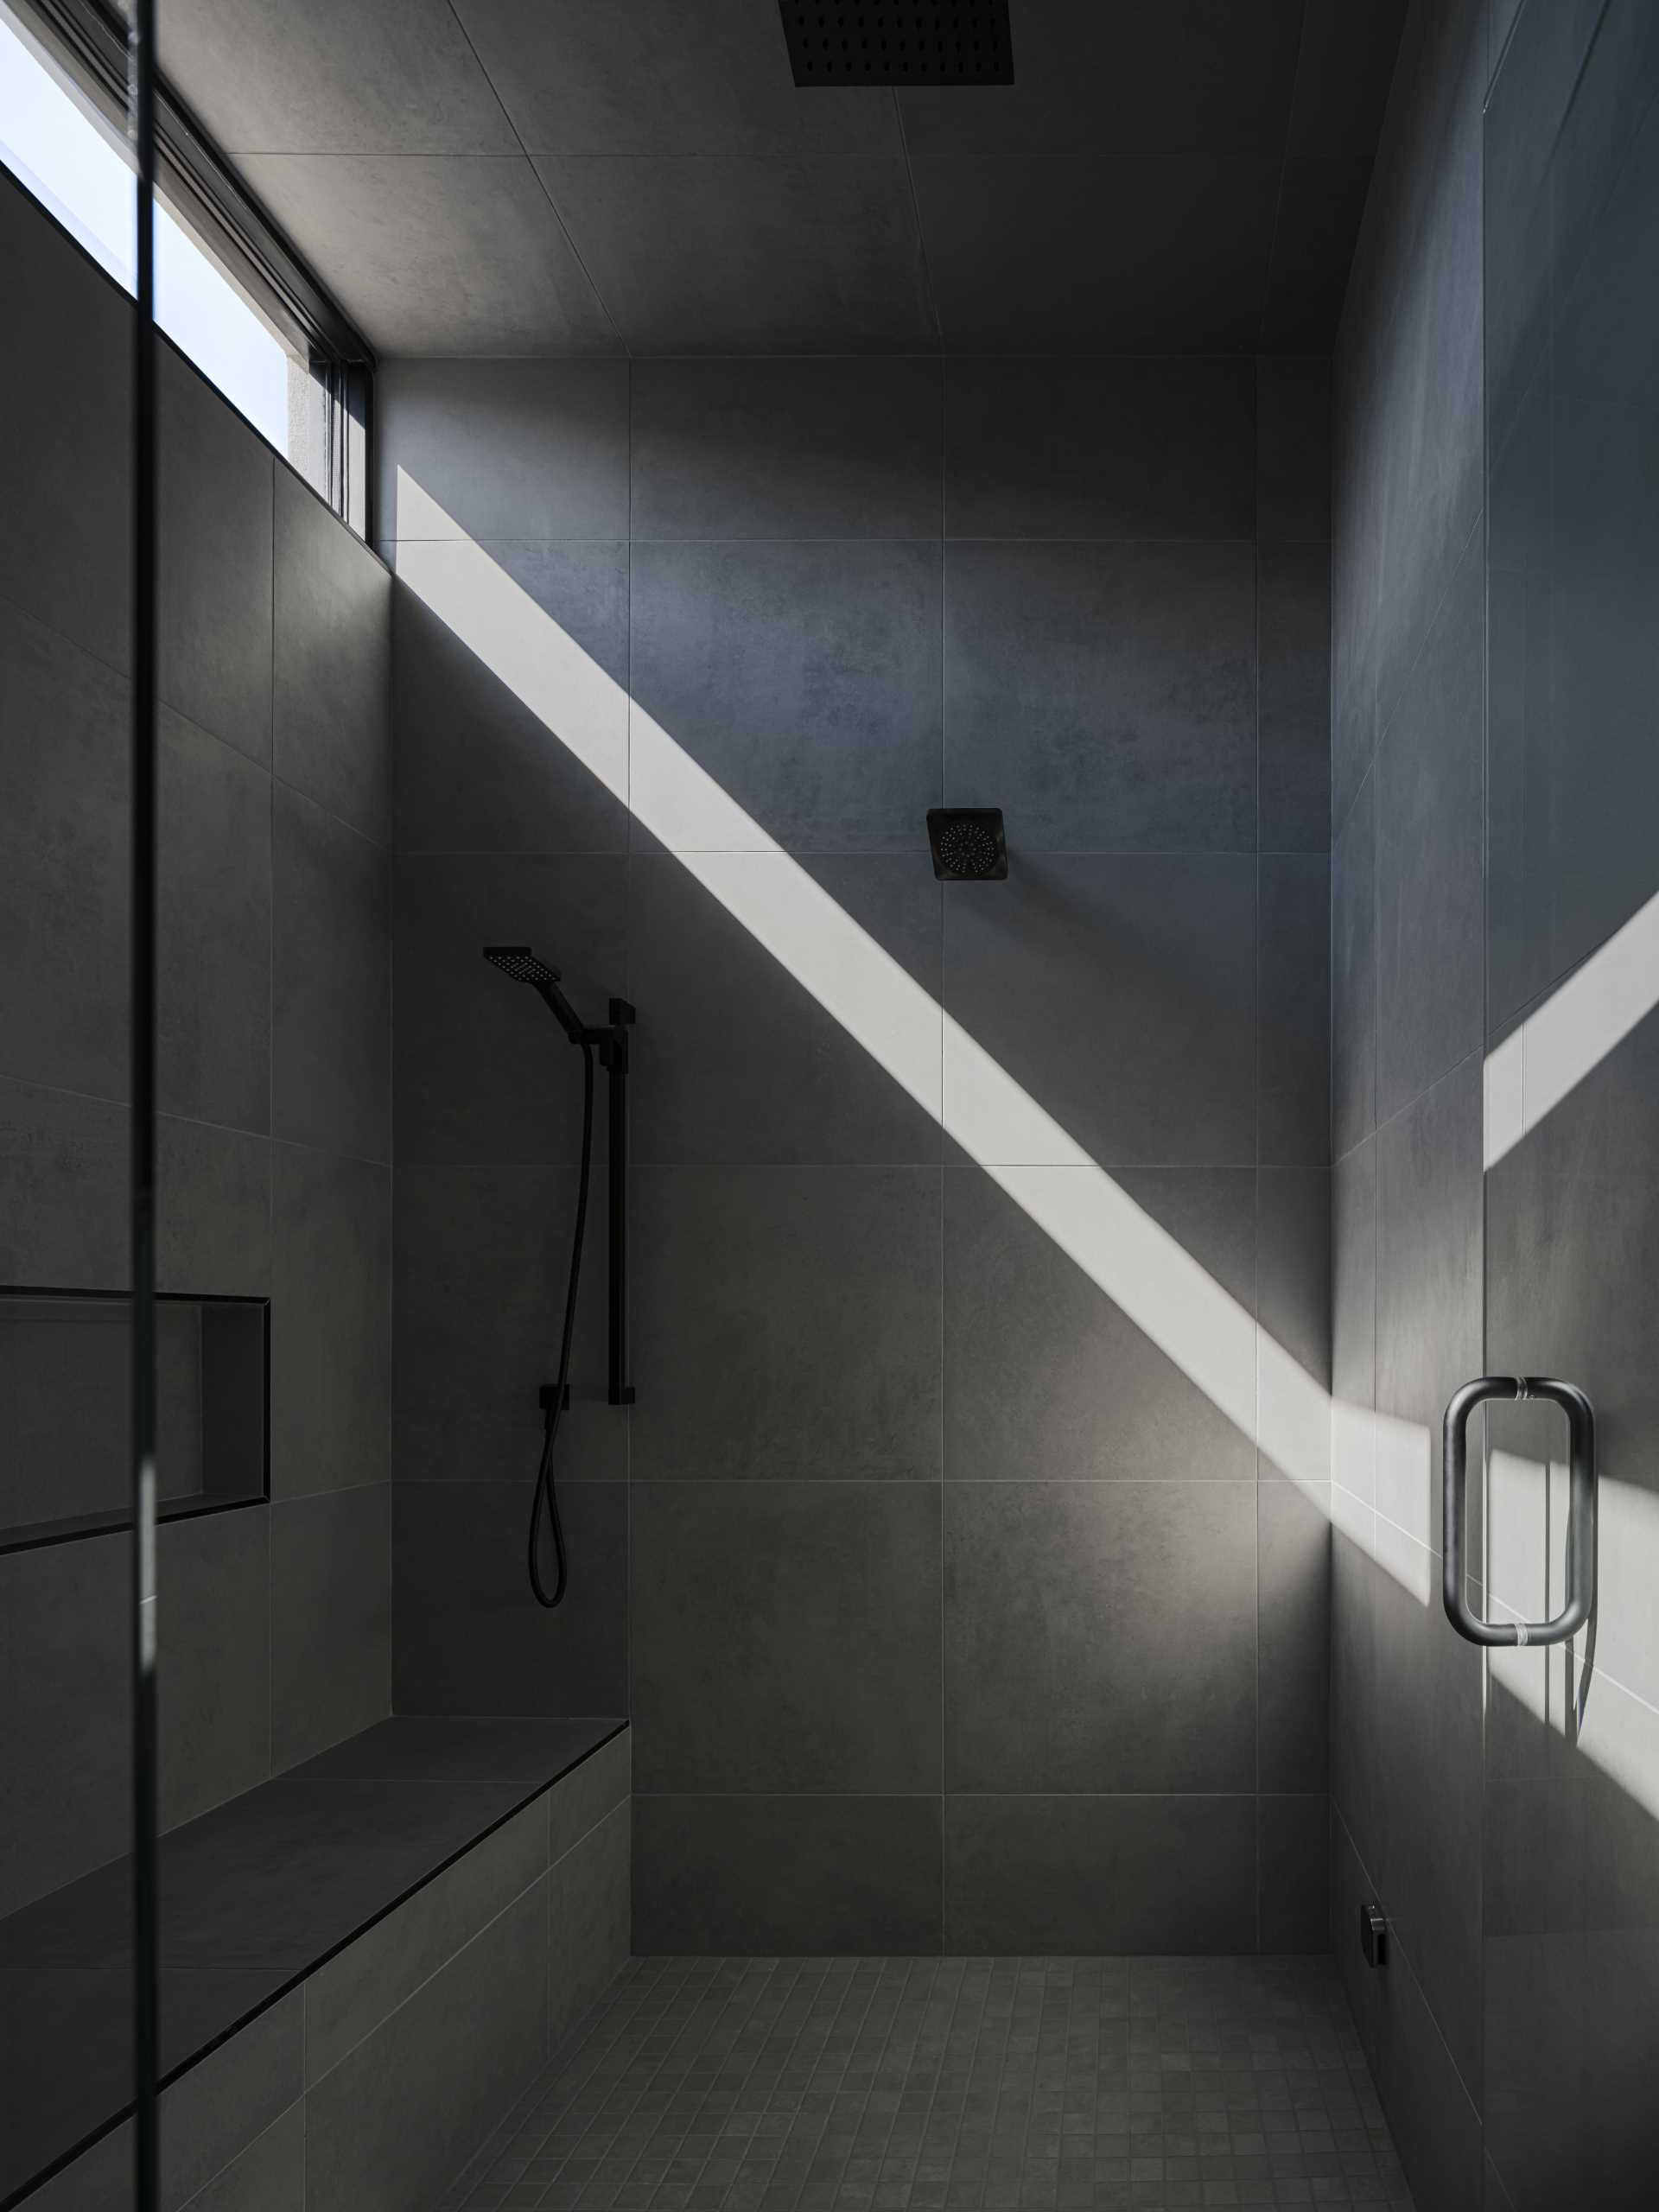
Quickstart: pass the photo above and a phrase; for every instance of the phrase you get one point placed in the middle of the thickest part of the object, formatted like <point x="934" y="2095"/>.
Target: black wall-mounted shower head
<point x="519" y="962"/>
<point x="967" y="844"/>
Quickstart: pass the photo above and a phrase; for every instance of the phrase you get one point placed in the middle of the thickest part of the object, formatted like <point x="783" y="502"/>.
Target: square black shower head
<point x="967" y="844"/>
<point x="898" y="41"/>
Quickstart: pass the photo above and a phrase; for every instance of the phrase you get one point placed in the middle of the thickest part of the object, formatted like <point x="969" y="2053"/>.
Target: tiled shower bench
<point x="363" y="1961"/>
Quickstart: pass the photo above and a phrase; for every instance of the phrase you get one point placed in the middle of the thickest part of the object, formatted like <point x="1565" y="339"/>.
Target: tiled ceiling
<point x="642" y="176"/>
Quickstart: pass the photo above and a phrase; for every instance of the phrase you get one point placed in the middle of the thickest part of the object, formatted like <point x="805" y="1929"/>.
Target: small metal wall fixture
<point x="967" y="844"/>
<point x="1374" y="1934"/>
<point x="1581" y="1512"/>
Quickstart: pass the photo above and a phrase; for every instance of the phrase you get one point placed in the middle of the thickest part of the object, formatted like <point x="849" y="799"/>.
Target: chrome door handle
<point x="1581" y="1511"/>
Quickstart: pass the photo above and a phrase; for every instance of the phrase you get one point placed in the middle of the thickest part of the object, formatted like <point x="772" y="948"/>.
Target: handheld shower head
<point x="519" y="962"/>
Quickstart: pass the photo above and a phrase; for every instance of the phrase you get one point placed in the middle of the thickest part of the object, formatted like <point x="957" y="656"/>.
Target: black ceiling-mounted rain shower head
<point x="898" y="42"/>
<point x="967" y="844"/>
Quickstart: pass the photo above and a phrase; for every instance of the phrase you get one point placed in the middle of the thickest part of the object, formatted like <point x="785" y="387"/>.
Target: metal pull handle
<point x="1581" y="1512"/>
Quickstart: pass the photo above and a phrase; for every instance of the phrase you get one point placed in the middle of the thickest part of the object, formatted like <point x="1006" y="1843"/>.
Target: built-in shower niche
<point x="66" y="1361"/>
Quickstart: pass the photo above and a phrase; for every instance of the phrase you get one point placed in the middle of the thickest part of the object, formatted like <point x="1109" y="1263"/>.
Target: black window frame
<point x="89" y="39"/>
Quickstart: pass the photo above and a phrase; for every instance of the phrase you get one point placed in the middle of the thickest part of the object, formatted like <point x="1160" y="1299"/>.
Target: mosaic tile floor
<point x="949" y="2085"/>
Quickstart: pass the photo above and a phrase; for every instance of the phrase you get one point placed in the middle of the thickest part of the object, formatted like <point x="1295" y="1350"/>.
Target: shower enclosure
<point x="1122" y="785"/>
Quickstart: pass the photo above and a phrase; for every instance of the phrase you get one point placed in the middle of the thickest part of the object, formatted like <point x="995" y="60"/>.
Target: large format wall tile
<point x="330" y="1045"/>
<point x="478" y="768"/>
<point x="785" y="449"/>
<point x="332" y="673"/>
<point x="590" y="1919"/>
<point x="736" y="1063"/>
<point x="1120" y="993"/>
<point x="65" y="487"/>
<point x="213" y="1035"/>
<point x="501" y="450"/>
<point x="330" y="1624"/>
<point x="1086" y="447"/>
<point x="1293" y="452"/>
<point x="786" y="1322"/>
<point x="1028" y="1874"/>
<point x="803" y="676"/>
<point x="1293" y="591"/>
<point x="330" y="1321"/>
<point x="483" y="1075"/>
<point x="1104" y="695"/>
<point x="214" y="568"/>
<point x="786" y="1874"/>
<point x="481" y="1262"/>
<point x="1044" y="1376"/>
<point x="1354" y="974"/>
<point x="64" y="1199"/>
<point x="1100" y="1636"/>
<point x="1293" y="1639"/>
<point x="1294" y="1053"/>
<point x="470" y="1636"/>
<point x="818" y="1667"/>
<point x="213" y="1575"/>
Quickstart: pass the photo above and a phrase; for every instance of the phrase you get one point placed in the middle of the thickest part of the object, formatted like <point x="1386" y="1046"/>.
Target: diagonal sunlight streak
<point x="1213" y="1339"/>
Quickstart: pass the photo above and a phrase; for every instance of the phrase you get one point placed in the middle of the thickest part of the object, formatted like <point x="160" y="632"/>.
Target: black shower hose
<point x="544" y="1483"/>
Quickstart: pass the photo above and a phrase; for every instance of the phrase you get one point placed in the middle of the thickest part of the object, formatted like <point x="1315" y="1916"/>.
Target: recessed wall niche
<point x="65" y="1363"/>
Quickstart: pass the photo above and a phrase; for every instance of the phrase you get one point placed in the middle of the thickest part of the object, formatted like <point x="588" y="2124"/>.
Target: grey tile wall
<point x="274" y="1022"/>
<point x="918" y="1518"/>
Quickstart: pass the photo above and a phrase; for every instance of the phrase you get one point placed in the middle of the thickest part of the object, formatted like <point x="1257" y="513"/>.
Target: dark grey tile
<point x="1035" y="1692"/>
<point x="1428" y="1286"/>
<point x="483" y="1074"/>
<point x="1294" y="1264"/>
<point x="737" y="1062"/>
<point x="1353" y="1717"/>
<point x="386" y="77"/>
<point x="332" y="673"/>
<point x="1430" y="895"/>
<point x="414" y="2101"/>
<point x="351" y="1993"/>
<point x="63" y="1189"/>
<point x="1321" y="203"/>
<point x="1293" y="1644"/>
<point x="212" y="2115"/>
<point x="482" y="1263"/>
<point x="212" y="1226"/>
<point x="1354" y="975"/>
<point x="1353" y="1277"/>
<point x="1176" y="251"/>
<point x="736" y="254"/>
<point x="1294" y="1067"/>
<point x="331" y="1047"/>
<point x="64" y="839"/>
<point x="1355" y="563"/>
<point x="585" y="83"/>
<point x="1046" y="1377"/>
<point x="802" y="676"/>
<point x="1160" y="950"/>
<point x="330" y="1321"/>
<point x="212" y="1033"/>
<point x="469" y="1635"/>
<point x="269" y="2176"/>
<point x="330" y="1625"/>
<point x="786" y="1322"/>
<point x="1292" y="1907"/>
<point x="65" y="488"/>
<point x="589" y="1894"/>
<point x="820" y="1670"/>
<point x="1294" y="584"/>
<point x="1099" y="449"/>
<point x="1343" y="71"/>
<point x="212" y="1576"/>
<point x="439" y="255"/>
<point x="477" y="768"/>
<point x="65" y="1688"/>
<point x="214" y="566"/>
<point x="524" y="1749"/>
<point x="1128" y="672"/>
<point x="1102" y="1874"/>
<point x="509" y="449"/>
<point x="1292" y="448"/>
<point x="798" y="448"/>
<point x="1433" y="2117"/>
<point x="783" y="1874"/>
<point x="587" y="1798"/>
